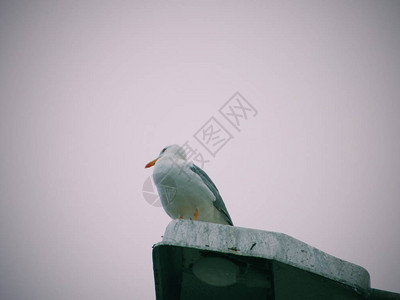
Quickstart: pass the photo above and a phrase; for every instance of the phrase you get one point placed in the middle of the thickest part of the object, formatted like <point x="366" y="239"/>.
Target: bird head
<point x="174" y="151"/>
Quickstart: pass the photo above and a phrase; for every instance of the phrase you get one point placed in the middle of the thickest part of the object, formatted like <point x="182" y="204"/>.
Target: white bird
<point x="185" y="190"/>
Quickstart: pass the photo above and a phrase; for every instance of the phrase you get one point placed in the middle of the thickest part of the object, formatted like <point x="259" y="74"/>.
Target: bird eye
<point x="163" y="150"/>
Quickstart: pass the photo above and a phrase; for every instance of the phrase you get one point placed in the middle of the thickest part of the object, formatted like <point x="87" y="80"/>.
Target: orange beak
<point x="152" y="163"/>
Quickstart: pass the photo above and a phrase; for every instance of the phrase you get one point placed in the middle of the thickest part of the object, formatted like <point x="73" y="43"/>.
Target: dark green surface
<point x="383" y="295"/>
<point x="174" y="279"/>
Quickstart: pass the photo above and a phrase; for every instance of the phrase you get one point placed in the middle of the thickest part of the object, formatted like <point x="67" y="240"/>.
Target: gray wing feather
<point x="218" y="203"/>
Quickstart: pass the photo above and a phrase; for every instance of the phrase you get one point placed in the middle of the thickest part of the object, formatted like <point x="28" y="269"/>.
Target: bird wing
<point x="218" y="203"/>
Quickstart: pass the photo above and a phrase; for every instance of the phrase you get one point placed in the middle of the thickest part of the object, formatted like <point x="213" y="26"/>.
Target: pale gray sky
<point x="92" y="90"/>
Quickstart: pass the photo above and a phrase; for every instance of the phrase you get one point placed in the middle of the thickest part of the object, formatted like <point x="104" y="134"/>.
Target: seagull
<point x="185" y="190"/>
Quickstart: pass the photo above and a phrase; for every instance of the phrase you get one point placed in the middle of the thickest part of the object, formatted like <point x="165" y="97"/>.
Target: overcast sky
<point x="93" y="90"/>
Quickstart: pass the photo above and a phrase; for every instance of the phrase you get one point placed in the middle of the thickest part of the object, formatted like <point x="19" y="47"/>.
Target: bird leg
<point x="196" y="214"/>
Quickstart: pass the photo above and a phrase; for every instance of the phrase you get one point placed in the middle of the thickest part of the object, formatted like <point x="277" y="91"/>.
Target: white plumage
<point x="185" y="190"/>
